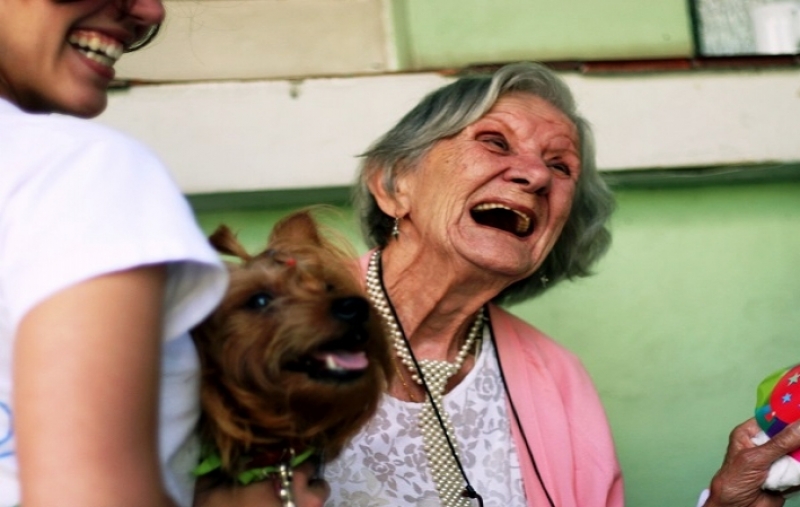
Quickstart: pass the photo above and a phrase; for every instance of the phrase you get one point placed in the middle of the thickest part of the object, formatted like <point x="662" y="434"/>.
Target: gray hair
<point x="448" y="110"/>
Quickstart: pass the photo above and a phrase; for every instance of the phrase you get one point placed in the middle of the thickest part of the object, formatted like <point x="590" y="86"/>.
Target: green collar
<point x="213" y="462"/>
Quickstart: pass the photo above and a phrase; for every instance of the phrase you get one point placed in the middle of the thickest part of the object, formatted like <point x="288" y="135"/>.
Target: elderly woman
<point x="485" y="193"/>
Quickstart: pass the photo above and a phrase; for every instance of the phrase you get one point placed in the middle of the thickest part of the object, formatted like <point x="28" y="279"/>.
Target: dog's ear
<point x="297" y="228"/>
<point x="225" y="242"/>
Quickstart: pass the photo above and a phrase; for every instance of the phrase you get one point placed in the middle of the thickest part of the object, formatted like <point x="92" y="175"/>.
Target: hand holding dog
<point x="745" y="467"/>
<point x="309" y="491"/>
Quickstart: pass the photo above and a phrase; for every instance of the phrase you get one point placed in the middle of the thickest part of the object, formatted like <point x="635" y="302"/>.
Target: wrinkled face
<point x="59" y="55"/>
<point x="497" y="194"/>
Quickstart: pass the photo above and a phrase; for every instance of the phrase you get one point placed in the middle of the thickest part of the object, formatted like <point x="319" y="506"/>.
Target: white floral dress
<point x="385" y="464"/>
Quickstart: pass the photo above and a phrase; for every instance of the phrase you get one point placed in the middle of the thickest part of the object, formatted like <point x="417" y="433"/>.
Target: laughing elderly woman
<point x="485" y="193"/>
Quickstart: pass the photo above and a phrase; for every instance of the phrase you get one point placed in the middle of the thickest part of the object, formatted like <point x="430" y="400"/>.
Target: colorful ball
<point x="778" y="401"/>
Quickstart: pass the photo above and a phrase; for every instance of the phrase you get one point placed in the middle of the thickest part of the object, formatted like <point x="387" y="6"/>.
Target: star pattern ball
<point x="778" y="403"/>
<point x="785" y="399"/>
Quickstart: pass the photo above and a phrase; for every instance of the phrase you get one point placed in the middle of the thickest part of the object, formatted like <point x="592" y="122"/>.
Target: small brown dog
<point x="294" y="359"/>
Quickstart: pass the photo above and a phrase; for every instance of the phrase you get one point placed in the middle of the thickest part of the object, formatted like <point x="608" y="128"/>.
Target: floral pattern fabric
<point x="386" y="465"/>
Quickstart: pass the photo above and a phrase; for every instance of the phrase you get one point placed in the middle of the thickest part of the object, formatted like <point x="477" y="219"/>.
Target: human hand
<point x="738" y="481"/>
<point x="309" y="491"/>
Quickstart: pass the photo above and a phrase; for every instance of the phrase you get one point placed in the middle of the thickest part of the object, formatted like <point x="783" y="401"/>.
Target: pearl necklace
<point x="437" y="434"/>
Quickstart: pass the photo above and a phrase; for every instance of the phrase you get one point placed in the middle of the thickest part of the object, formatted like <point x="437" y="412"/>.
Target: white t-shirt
<point x="78" y="200"/>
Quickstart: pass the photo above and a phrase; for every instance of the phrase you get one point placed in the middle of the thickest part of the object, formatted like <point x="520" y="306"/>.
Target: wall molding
<point x="249" y="136"/>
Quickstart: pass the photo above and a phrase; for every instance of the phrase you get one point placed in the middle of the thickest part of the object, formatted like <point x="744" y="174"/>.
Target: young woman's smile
<point x="64" y="61"/>
<point x="101" y="50"/>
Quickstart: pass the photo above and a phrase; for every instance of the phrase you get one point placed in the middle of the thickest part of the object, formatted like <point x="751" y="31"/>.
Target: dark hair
<point x="448" y="110"/>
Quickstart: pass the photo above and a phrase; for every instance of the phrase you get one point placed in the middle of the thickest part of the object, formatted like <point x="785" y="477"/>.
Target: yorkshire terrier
<point x="294" y="359"/>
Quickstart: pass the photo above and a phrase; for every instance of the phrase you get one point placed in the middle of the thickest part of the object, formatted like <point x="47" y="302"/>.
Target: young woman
<point x="102" y="273"/>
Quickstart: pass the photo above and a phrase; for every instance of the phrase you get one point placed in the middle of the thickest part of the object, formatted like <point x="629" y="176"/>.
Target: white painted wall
<point x="259" y="135"/>
<point x="258" y="39"/>
<point x="693" y="119"/>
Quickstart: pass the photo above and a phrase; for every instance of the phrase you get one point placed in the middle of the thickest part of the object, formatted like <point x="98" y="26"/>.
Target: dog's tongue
<point x="343" y="360"/>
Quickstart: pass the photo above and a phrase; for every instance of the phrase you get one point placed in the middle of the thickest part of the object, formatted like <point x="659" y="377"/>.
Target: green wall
<point x="445" y="33"/>
<point x="697" y="301"/>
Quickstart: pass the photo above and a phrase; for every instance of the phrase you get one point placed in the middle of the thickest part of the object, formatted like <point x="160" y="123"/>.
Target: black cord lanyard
<point x="514" y="411"/>
<point x="469" y="491"/>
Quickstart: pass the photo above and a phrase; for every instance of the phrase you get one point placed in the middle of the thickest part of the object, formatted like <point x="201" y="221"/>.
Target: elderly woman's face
<point x="498" y="193"/>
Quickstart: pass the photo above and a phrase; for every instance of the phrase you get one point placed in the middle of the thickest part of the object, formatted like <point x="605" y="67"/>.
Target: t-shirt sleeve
<point x="703" y="497"/>
<point x="102" y="206"/>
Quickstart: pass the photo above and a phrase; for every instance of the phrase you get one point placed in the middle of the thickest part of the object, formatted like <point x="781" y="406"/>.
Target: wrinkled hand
<point x="309" y="491"/>
<point x="738" y="482"/>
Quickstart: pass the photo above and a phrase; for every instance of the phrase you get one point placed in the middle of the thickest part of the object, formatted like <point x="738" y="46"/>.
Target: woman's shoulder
<point x="46" y="152"/>
<point x="529" y="336"/>
<point x="532" y="350"/>
<point x="39" y="136"/>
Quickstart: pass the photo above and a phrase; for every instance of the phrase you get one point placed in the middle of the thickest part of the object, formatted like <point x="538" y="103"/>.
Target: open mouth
<point x="97" y="47"/>
<point x="504" y="218"/>
<point x="337" y="361"/>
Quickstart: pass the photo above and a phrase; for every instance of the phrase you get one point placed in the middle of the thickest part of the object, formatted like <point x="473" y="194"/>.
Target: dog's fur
<point x="264" y="387"/>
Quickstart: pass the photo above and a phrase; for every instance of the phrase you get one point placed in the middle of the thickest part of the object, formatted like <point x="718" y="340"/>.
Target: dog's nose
<point x="353" y="310"/>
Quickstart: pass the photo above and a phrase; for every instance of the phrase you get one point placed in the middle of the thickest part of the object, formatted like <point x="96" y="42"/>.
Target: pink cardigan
<point x="562" y="417"/>
<point x="563" y="420"/>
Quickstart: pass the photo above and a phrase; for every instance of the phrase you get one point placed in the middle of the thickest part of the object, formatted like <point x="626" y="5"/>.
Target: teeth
<point x="99" y="48"/>
<point x="99" y="58"/>
<point x="523" y="220"/>
<point x="330" y="364"/>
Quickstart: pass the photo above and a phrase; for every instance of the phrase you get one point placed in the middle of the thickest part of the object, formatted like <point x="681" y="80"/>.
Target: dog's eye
<point x="258" y="301"/>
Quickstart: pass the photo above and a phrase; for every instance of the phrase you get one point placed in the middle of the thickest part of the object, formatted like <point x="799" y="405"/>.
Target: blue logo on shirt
<point x="6" y="432"/>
